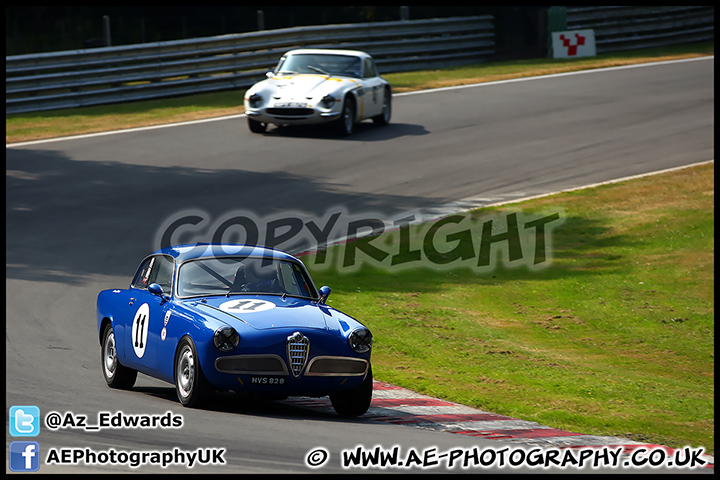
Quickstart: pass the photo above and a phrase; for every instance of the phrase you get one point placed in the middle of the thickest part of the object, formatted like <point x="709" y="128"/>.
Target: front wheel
<point x="255" y="126"/>
<point x="346" y="123"/>
<point x="384" y="117"/>
<point x="355" y="402"/>
<point x="190" y="385"/>
<point x="116" y="374"/>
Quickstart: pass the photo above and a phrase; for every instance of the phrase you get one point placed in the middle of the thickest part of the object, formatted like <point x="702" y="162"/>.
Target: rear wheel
<point x="355" y="402"/>
<point x="116" y="374"/>
<point x="190" y="384"/>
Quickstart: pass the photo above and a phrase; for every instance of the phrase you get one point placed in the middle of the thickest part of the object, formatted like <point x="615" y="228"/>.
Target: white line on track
<point x="418" y="92"/>
<point x="471" y="203"/>
<point x="474" y="203"/>
<point x="554" y="75"/>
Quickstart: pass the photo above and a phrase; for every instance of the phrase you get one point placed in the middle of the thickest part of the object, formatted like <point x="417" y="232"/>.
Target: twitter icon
<point x="24" y="421"/>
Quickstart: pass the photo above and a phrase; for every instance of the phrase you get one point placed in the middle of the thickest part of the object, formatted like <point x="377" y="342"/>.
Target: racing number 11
<point x="140" y="327"/>
<point x="242" y="305"/>
<point x="246" y="306"/>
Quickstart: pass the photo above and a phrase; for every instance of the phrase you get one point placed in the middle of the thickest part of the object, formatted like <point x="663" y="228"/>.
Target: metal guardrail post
<point x="106" y="31"/>
<point x="556" y="22"/>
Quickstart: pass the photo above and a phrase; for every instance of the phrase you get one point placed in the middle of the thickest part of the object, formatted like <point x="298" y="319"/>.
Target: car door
<point x="147" y="310"/>
<point x="374" y="89"/>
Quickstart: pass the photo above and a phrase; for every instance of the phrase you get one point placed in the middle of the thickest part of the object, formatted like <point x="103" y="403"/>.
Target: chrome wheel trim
<point x="348" y="119"/>
<point x="387" y="109"/>
<point x="110" y="360"/>
<point x="185" y="371"/>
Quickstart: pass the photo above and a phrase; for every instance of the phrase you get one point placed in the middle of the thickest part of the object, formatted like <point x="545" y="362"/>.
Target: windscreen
<point x="242" y="275"/>
<point x="343" y="65"/>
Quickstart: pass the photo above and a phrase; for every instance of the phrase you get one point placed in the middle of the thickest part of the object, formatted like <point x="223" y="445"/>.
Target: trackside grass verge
<point x="614" y="337"/>
<point x="65" y="122"/>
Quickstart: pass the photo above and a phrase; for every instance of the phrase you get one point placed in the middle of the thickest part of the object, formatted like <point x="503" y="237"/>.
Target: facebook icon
<point x="24" y="456"/>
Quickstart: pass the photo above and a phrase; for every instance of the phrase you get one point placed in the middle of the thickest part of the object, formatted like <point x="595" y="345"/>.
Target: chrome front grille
<point x="290" y="112"/>
<point x="337" y="367"/>
<point x="251" y="365"/>
<point x="298" y="347"/>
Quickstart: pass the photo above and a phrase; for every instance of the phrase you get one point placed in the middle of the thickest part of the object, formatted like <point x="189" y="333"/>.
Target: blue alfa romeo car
<point x="233" y="318"/>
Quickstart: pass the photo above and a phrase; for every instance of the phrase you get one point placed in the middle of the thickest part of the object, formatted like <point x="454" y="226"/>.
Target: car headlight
<point x="226" y="338"/>
<point x="328" y="101"/>
<point x="360" y="340"/>
<point x="255" y="100"/>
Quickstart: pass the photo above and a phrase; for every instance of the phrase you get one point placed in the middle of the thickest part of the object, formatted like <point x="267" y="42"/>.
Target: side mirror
<point x="324" y="294"/>
<point x="155" y="289"/>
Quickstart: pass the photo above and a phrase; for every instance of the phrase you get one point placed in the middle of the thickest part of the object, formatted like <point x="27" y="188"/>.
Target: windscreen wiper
<point x="319" y="70"/>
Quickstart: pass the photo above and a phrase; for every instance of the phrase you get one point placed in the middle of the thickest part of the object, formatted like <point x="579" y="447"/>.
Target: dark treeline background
<point x="39" y="29"/>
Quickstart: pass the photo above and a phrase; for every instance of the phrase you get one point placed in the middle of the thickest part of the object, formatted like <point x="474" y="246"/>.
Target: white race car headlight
<point x="360" y="340"/>
<point x="255" y="100"/>
<point x="226" y="338"/>
<point x="328" y="101"/>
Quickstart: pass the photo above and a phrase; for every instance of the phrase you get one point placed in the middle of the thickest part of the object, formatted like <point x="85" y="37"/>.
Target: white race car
<point x="312" y="86"/>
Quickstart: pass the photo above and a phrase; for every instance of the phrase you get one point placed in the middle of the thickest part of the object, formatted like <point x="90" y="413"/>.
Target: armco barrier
<point x="627" y="28"/>
<point x="137" y="72"/>
<point x="152" y="70"/>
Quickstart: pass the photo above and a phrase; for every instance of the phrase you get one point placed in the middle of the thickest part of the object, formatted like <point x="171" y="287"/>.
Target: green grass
<point x="73" y="121"/>
<point x="614" y="337"/>
<point x="57" y="123"/>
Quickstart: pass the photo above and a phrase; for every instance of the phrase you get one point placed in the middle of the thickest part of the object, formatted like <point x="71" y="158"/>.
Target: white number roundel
<point x="140" y="328"/>
<point x="246" y="306"/>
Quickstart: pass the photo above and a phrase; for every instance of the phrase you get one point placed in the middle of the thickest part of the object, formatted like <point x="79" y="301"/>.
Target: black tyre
<point x="384" y="118"/>
<point x="346" y="123"/>
<point x="255" y="126"/>
<point x="190" y="385"/>
<point x="116" y="374"/>
<point x="355" y="402"/>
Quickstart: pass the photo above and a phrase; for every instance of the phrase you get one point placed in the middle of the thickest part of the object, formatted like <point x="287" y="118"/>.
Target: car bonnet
<point x="264" y="311"/>
<point x="305" y="84"/>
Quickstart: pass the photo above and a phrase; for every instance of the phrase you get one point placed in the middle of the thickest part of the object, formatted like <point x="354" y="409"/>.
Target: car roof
<point x="209" y="250"/>
<point x="326" y="51"/>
